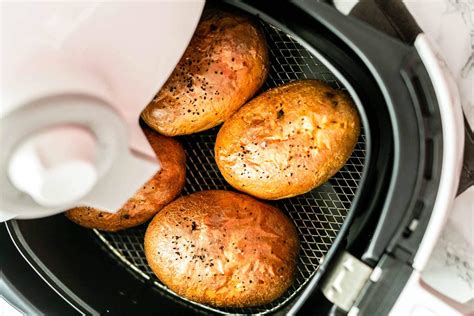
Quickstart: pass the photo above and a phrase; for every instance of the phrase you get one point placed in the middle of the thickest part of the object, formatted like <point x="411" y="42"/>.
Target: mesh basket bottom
<point x="318" y="215"/>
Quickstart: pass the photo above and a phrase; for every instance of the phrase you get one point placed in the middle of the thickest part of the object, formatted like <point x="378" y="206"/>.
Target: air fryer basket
<point x="318" y="215"/>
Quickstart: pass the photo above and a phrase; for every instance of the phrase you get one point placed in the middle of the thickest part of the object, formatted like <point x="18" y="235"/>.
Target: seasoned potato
<point x="165" y="185"/>
<point x="225" y="63"/>
<point x="223" y="248"/>
<point x="288" y="140"/>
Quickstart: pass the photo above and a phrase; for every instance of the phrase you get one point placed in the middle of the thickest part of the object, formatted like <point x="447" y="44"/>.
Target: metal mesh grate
<point x="318" y="215"/>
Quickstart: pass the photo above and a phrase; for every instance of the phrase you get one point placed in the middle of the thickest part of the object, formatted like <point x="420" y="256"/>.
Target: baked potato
<point x="288" y="140"/>
<point x="224" y="65"/>
<point x="223" y="249"/>
<point x="165" y="185"/>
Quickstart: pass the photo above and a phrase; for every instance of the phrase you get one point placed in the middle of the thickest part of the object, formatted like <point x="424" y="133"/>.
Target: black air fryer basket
<point x="365" y="209"/>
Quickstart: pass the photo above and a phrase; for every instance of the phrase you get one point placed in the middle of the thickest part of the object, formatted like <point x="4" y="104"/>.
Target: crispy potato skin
<point x="223" y="249"/>
<point x="165" y="185"/>
<point x="224" y="65"/>
<point x="288" y="140"/>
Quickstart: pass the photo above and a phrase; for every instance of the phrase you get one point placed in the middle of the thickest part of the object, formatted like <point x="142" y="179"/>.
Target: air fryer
<point x="374" y="211"/>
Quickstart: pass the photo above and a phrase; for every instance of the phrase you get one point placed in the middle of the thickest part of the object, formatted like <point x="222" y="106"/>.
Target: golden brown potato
<point x="288" y="140"/>
<point x="165" y="185"/>
<point x="223" y="249"/>
<point x="225" y="63"/>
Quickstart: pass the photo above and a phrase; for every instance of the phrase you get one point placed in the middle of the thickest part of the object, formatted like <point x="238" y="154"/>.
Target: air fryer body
<point x="379" y="220"/>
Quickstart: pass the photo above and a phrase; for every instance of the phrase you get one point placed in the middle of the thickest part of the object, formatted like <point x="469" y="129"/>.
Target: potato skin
<point x="223" y="248"/>
<point x="165" y="185"/>
<point x="224" y="65"/>
<point x="288" y="140"/>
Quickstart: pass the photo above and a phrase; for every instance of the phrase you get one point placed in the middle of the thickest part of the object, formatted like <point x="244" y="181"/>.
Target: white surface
<point x="419" y="299"/>
<point x="345" y="6"/>
<point x="7" y="310"/>
<point x="451" y="266"/>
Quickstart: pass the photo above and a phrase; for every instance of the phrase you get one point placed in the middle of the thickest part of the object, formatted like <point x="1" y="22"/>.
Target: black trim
<point x="71" y="261"/>
<point x="42" y="269"/>
<point x="23" y="287"/>
<point x="467" y="174"/>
